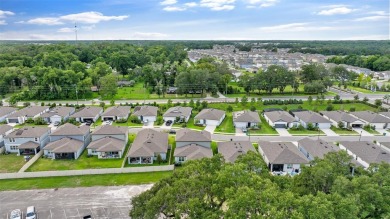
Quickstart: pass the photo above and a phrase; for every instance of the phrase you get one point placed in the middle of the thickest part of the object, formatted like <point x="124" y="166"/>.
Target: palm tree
<point x="159" y="87"/>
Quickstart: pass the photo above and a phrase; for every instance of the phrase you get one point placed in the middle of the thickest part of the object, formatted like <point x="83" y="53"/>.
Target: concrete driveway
<point x="383" y="131"/>
<point x="148" y="125"/>
<point x="239" y="132"/>
<point x="282" y="132"/>
<point x="210" y="128"/>
<point x="362" y="131"/>
<point x="329" y="132"/>
<point x="164" y="126"/>
<point x="99" y="202"/>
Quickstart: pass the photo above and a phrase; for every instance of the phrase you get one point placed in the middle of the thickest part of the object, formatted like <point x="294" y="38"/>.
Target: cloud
<point x="174" y="8"/>
<point x="168" y="2"/>
<point x="261" y="3"/>
<point x="149" y="36"/>
<point x="65" y="30"/>
<point x="372" y="18"/>
<point x="91" y="17"/>
<point x="336" y="10"/>
<point x="4" y="14"/>
<point x="2" y="22"/>
<point x="294" y="27"/>
<point x="383" y="13"/>
<point x="191" y="4"/>
<point x="218" y="5"/>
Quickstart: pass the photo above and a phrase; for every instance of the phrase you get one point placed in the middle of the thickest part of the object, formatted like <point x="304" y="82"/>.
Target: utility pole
<point x="75" y="30"/>
<point x="77" y="96"/>
<point x="360" y="135"/>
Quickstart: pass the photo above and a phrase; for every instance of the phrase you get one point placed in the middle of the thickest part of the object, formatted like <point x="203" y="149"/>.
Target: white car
<point x="30" y="213"/>
<point x="16" y="214"/>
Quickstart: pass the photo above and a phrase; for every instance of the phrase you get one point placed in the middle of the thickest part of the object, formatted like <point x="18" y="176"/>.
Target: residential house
<point x="108" y="141"/>
<point x="68" y="142"/>
<point x="385" y="114"/>
<point x="6" y="111"/>
<point x="27" y="140"/>
<point x="146" y="113"/>
<point x="366" y="153"/>
<point x="210" y="117"/>
<point x="280" y="119"/>
<point x="30" y="112"/>
<point x="340" y="116"/>
<point x="246" y="119"/>
<point x="282" y="156"/>
<point x="115" y="113"/>
<point x="88" y="114"/>
<point x="316" y="148"/>
<point x="372" y="119"/>
<point x="178" y="113"/>
<point x="191" y="145"/>
<point x="385" y="146"/>
<point x="4" y="131"/>
<point x="147" y="146"/>
<point x="232" y="149"/>
<point x="58" y="114"/>
<point x="306" y="117"/>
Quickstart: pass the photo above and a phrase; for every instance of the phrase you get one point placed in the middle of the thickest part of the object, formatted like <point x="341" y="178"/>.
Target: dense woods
<point x="373" y="62"/>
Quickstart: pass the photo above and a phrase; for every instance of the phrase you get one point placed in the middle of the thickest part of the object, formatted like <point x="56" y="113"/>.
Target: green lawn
<point x="214" y="147"/>
<point x="265" y="129"/>
<point x="83" y="181"/>
<point x="227" y="125"/>
<point x="128" y="123"/>
<point x="11" y="163"/>
<point x="371" y="131"/>
<point x="190" y="123"/>
<point x="172" y="142"/>
<point x="362" y="90"/>
<point x="343" y="131"/>
<point x="305" y="132"/>
<point x="138" y="92"/>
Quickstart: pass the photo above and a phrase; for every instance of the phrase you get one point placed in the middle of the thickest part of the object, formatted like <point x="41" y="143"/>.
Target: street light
<point x="360" y="135"/>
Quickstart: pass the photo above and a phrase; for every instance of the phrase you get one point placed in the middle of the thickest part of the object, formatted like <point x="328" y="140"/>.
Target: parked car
<point x="16" y="214"/>
<point x="88" y="123"/>
<point x="168" y="123"/>
<point x="57" y="123"/>
<point x="172" y="131"/>
<point x="30" y="213"/>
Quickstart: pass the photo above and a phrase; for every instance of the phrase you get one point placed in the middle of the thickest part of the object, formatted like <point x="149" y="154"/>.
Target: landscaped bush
<point x="121" y="121"/>
<point x="352" y="109"/>
<point x="30" y="120"/>
<point x="329" y="107"/>
<point x="134" y="119"/>
<point x="39" y="121"/>
<point x="159" y="121"/>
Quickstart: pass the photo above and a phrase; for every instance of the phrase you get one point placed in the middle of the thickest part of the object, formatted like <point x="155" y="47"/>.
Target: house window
<point x="289" y="166"/>
<point x="12" y="140"/>
<point x="36" y="139"/>
<point x="93" y="151"/>
<point x="181" y="159"/>
<point x="14" y="147"/>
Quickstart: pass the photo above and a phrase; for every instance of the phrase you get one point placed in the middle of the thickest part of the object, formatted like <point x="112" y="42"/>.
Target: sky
<point x="194" y="19"/>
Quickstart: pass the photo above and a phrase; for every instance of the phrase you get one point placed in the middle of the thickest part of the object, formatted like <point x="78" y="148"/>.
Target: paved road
<point x="112" y="202"/>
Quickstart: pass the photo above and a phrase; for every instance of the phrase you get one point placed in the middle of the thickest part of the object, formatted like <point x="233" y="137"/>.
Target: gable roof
<point x="107" y="144"/>
<point x="29" y="145"/>
<point x="386" y="114"/>
<point x="210" y="114"/>
<point x="282" y="153"/>
<point x="69" y="129"/>
<point x="5" y="128"/>
<point x="386" y="144"/>
<point x="148" y="142"/>
<point x="246" y="116"/>
<point x="311" y="117"/>
<point x="59" y="110"/>
<point x="29" y="111"/>
<point x="121" y="111"/>
<point x="178" y="111"/>
<point x="110" y="130"/>
<point x="89" y="111"/>
<point x="193" y="152"/>
<point x="276" y="116"/>
<point x="317" y="148"/>
<point x="5" y="110"/>
<point x="188" y="135"/>
<point x="232" y="149"/>
<point x="145" y="111"/>
<point x="371" y="117"/>
<point x="29" y="132"/>
<point x="338" y="116"/>
<point x="367" y="151"/>
<point x="64" y="145"/>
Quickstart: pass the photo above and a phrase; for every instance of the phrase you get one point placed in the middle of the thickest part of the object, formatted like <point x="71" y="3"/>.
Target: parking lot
<point x="99" y="202"/>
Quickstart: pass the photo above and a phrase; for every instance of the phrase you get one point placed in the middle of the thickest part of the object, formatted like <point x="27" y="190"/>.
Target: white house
<point x="65" y="148"/>
<point x="373" y="119"/>
<point x="4" y="131"/>
<point x="27" y="140"/>
<point x="210" y="117"/>
<point x="178" y="113"/>
<point x="340" y="116"/>
<point x="116" y="113"/>
<point x="280" y="119"/>
<point x="58" y="114"/>
<point x="146" y="113"/>
<point x="191" y="145"/>
<point x="316" y="148"/>
<point x="30" y="112"/>
<point x="6" y="111"/>
<point x="89" y="113"/>
<point x="306" y="117"/>
<point x="246" y="119"/>
<point x="108" y="142"/>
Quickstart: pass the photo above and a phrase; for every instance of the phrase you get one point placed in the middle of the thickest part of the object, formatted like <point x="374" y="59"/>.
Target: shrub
<point x="121" y="121"/>
<point x="102" y="104"/>
<point x="26" y="104"/>
<point x="30" y="120"/>
<point x="352" y="109"/>
<point x="253" y="108"/>
<point x="134" y="119"/>
<point x="159" y="120"/>
<point x="329" y="107"/>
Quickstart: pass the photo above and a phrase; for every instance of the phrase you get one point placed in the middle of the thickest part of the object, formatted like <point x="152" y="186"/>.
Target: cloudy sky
<point x="194" y="19"/>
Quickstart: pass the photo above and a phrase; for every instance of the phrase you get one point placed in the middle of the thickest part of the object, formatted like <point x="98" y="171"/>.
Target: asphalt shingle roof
<point x="107" y="144"/>
<point x="317" y="148"/>
<point x="29" y="111"/>
<point x="193" y="152"/>
<point x="69" y="129"/>
<point x="5" y="128"/>
<point x="311" y="117"/>
<point x="338" y="116"/>
<point x="188" y="135"/>
<point x="121" y="111"/>
<point x="59" y="110"/>
<point x="89" y="111"/>
<point x="148" y="142"/>
<point x="232" y="149"/>
<point x="246" y="116"/>
<point x="145" y="111"/>
<point x="210" y="114"/>
<point x="371" y="117"/>
<point x="282" y="116"/>
<point x="367" y="151"/>
<point x="178" y="111"/>
<point x="5" y="110"/>
<point x="282" y="153"/>
<point x="29" y="132"/>
<point x="110" y="130"/>
<point x="64" y="145"/>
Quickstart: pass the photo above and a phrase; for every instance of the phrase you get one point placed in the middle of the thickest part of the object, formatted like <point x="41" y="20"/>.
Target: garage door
<point x="13" y="120"/>
<point x="280" y="126"/>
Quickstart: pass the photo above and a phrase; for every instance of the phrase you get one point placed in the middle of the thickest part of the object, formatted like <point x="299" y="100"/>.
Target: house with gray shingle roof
<point x="65" y="148"/>
<point x="385" y="114"/>
<point x="146" y="113"/>
<point x="192" y="145"/>
<point x="147" y="146"/>
<point x="178" y="113"/>
<point x="27" y="140"/>
<point x="306" y="117"/>
<point x="210" y="117"/>
<point x="29" y="112"/>
<point x="4" y="130"/>
<point x="280" y="119"/>
<point x="232" y="149"/>
<point x="373" y="119"/>
<point x="89" y="113"/>
<point x="116" y="113"/>
<point x="366" y="153"/>
<point x="6" y="111"/>
<point x="282" y="156"/>
<point x="108" y="141"/>
<point x="246" y="119"/>
<point x="58" y="114"/>
<point x="340" y="116"/>
<point x="316" y="148"/>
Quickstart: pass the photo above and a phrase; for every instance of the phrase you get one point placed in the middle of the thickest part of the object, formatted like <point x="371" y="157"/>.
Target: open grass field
<point x="11" y="163"/>
<point x="83" y="181"/>
<point x="137" y="92"/>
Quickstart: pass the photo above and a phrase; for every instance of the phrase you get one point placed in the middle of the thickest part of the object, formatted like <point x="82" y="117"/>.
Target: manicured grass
<point x="172" y="142"/>
<point x="371" y="131"/>
<point x="343" y="131"/>
<point x="29" y="124"/>
<point x="227" y="125"/>
<point x="289" y="91"/>
<point x="265" y="129"/>
<point x="190" y="123"/>
<point x="11" y="163"/>
<point x="362" y="90"/>
<point x="214" y="147"/>
<point x="138" y="92"/>
<point x="305" y="132"/>
<point x="83" y="181"/>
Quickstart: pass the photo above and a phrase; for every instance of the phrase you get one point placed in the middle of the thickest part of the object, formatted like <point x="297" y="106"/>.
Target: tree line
<point x="372" y="62"/>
